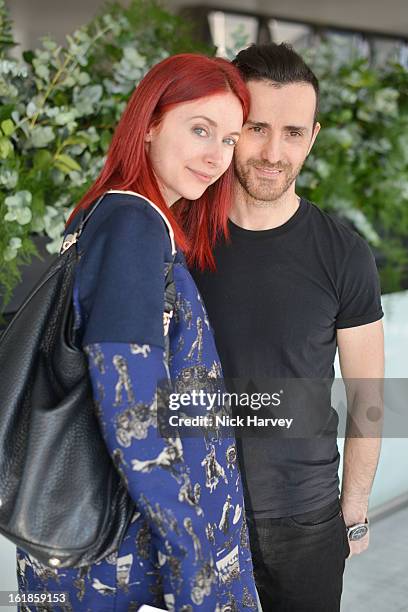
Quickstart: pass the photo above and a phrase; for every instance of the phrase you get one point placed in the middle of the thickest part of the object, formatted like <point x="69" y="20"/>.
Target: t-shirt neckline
<point x="299" y="214"/>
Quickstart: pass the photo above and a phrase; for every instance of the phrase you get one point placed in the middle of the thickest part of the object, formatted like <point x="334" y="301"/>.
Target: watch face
<point x="358" y="532"/>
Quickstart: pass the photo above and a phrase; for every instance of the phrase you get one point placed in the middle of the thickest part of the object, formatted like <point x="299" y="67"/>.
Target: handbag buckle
<point x="166" y="321"/>
<point x="69" y="240"/>
<point x="54" y="562"/>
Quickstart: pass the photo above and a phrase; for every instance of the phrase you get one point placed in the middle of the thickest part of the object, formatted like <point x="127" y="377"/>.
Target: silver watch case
<point x="357" y="532"/>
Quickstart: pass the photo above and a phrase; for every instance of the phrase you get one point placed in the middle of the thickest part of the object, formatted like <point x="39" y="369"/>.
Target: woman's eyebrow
<point x="212" y="122"/>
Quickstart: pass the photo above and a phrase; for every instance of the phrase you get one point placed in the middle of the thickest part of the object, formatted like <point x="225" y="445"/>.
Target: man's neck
<point x="251" y="214"/>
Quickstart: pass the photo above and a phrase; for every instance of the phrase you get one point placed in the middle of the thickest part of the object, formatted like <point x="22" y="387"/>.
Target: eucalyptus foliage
<point x="58" y="108"/>
<point x="358" y="168"/>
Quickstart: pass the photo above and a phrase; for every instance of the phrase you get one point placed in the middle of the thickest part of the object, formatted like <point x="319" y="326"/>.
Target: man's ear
<point x="316" y="130"/>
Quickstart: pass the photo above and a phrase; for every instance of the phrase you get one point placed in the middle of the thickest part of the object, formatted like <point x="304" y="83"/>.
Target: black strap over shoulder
<point x="169" y="285"/>
<point x="71" y="239"/>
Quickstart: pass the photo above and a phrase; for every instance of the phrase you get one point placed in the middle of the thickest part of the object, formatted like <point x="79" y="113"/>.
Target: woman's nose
<point x="214" y="155"/>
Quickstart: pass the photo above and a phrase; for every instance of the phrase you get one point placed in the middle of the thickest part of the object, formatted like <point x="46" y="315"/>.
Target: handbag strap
<point x="170" y="292"/>
<point x="71" y="239"/>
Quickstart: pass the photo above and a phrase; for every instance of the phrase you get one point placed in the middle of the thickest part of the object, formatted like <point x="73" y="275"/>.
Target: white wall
<point x="391" y="479"/>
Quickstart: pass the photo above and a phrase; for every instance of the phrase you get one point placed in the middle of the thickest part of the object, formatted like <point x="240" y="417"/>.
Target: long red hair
<point x="177" y="79"/>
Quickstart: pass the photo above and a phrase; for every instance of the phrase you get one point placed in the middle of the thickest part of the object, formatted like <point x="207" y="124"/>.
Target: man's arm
<point x="361" y="352"/>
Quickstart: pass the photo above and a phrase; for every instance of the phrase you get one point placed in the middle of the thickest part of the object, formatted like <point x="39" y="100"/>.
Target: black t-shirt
<point x="275" y="303"/>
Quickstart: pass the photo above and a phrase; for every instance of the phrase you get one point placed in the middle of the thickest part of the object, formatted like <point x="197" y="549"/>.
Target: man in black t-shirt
<point x="292" y="285"/>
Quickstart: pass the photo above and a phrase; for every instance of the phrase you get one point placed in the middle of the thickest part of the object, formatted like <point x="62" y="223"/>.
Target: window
<point x="232" y="32"/>
<point x="384" y="49"/>
<point x="300" y="36"/>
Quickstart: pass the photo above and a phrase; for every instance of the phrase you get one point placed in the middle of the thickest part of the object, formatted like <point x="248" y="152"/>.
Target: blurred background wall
<point x="35" y="18"/>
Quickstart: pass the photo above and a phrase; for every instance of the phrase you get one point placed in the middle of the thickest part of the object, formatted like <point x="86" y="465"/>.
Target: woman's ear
<point x="151" y="132"/>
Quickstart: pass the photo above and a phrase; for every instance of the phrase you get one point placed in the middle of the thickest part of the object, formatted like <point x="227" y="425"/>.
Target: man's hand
<point x="354" y="514"/>
<point x="359" y="546"/>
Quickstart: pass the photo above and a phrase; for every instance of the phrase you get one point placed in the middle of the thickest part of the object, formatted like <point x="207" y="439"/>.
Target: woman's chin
<point x="193" y="193"/>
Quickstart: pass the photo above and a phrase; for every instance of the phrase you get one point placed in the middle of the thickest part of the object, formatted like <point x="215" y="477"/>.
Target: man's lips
<point x="272" y="172"/>
<point x="205" y="178"/>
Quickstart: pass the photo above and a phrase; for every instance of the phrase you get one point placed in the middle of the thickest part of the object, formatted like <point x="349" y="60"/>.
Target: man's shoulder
<point x="338" y="230"/>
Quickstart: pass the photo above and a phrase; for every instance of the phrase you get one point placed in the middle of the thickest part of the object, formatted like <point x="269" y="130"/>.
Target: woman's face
<point x="193" y="145"/>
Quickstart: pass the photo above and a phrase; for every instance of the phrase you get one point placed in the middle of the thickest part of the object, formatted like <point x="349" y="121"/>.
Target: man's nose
<point x="272" y="151"/>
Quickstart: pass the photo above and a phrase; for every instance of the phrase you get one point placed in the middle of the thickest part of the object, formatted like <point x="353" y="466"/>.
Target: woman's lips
<point x="201" y="176"/>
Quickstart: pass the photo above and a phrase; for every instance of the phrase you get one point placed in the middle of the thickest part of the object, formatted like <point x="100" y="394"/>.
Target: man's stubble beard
<point x="260" y="191"/>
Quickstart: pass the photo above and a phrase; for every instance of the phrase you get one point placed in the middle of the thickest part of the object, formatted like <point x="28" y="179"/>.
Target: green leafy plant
<point x="358" y="168"/>
<point x="58" y="108"/>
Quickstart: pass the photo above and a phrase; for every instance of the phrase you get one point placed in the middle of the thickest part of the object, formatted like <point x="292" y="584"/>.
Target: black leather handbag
<point x="61" y="497"/>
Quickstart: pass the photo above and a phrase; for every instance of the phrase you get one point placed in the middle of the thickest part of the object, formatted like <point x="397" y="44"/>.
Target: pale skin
<point x="361" y="353"/>
<point x="193" y="145"/>
<point x="275" y="141"/>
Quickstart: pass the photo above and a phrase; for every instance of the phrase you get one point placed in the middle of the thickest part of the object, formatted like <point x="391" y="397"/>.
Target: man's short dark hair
<point x="277" y="63"/>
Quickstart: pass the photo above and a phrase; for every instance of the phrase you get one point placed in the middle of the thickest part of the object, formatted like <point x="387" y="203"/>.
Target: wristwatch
<point x="357" y="531"/>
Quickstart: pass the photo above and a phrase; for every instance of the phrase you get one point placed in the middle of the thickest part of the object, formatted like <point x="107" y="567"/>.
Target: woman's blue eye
<point x="230" y="141"/>
<point x="200" y="131"/>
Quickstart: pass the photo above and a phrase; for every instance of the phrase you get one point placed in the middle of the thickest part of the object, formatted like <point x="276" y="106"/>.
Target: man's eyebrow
<point x="212" y="122"/>
<point x="262" y="124"/>
<point x="266" y="125"/>
<point x="296" y="128"/>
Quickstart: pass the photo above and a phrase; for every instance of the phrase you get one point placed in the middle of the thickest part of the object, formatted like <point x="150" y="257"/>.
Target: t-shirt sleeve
<point x="359" y="290"/>
<point x="122" y="279"/>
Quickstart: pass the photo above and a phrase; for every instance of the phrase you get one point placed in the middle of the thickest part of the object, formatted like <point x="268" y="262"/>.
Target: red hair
<point x="175" y="80"/>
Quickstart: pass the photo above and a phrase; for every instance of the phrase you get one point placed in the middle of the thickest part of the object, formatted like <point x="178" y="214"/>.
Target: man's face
<point x="276" y="139"/>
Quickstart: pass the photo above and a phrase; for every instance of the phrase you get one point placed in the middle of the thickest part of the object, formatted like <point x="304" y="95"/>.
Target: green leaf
<point x="6" y="111"/>
<point x="65" y="117"/>
<point x="28" y="56"/>
<point x="8" y="127"/>
<point x="42" y="159"/>
<point x="42" y="70"/>
<point x="9" y="253"/>
<point x="105" y="140"/>
<point x="41" y="136"/>
<point x="6" y="147"/>
<point x="23" y="216"/>
<point x="19" y="200"/>
<point x="67" y="161"/>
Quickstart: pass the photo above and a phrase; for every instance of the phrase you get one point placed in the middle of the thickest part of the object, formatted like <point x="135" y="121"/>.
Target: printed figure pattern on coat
<point x="187" y="546"/>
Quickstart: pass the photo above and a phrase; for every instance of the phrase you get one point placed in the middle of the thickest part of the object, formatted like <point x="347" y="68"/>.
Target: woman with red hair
<point x="140" y="320"/>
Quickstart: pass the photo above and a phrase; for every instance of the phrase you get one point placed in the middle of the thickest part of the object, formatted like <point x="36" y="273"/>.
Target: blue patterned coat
<point x="187" y="545"/>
